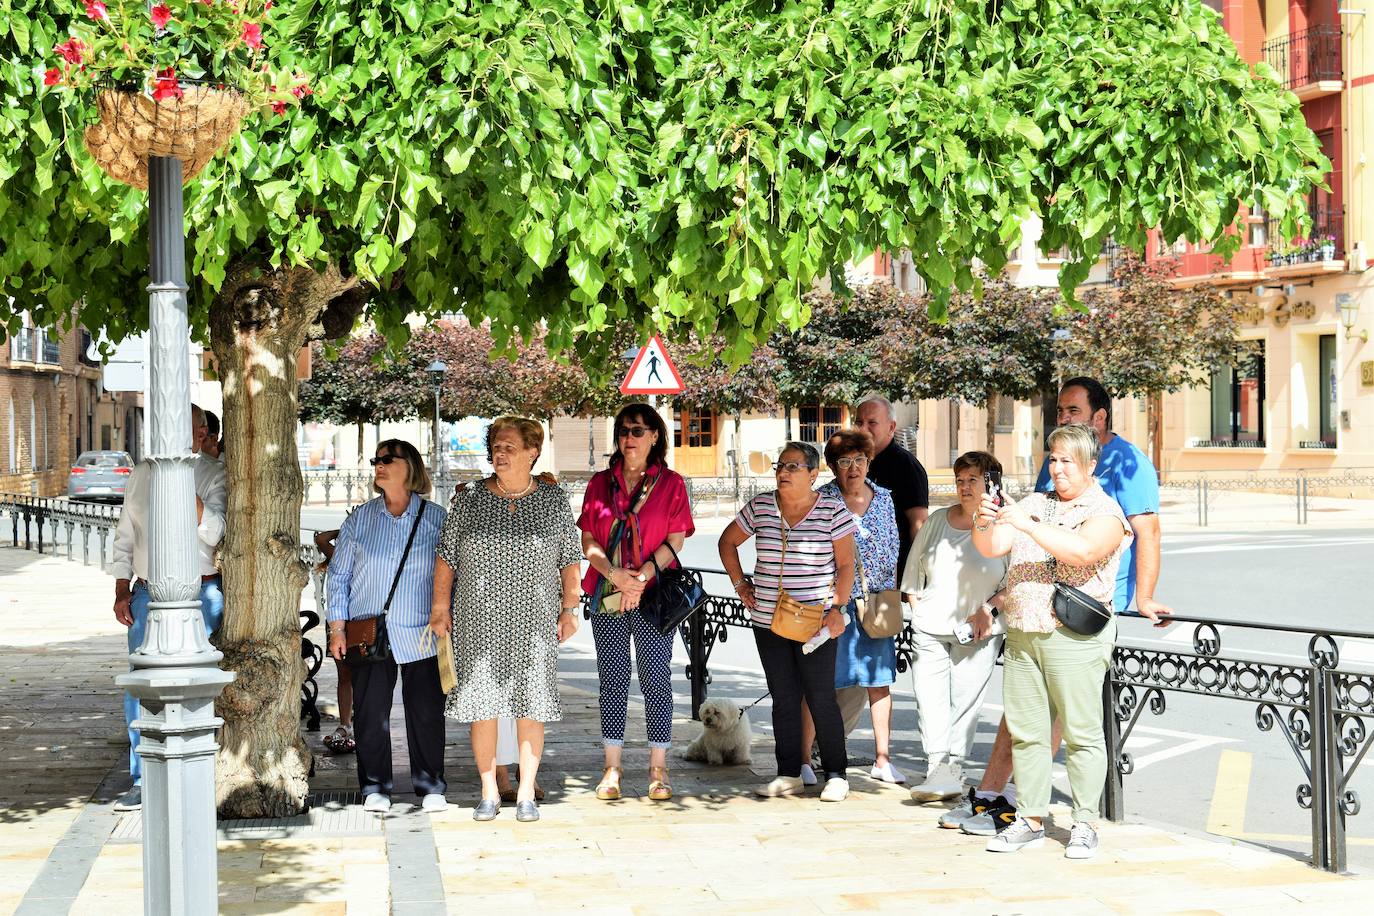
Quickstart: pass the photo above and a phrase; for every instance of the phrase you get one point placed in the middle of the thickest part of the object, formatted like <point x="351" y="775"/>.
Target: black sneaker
<point x="999" y="815"/>
<point x="972" y="806"/>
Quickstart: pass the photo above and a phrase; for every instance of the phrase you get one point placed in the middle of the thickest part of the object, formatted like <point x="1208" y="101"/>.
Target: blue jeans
<point x="211" y="609"/>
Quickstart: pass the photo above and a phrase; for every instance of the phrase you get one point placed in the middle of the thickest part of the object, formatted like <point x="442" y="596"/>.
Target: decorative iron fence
<point x="1325" y="714"/>
<point x="1309" y="56"/>
<point x="52" y="525"/>
<point x="1325" y="241"/>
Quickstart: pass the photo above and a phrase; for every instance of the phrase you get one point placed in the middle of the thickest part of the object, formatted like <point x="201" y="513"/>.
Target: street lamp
<point x="1349" y="306"/>
<point x="436" y="371"/>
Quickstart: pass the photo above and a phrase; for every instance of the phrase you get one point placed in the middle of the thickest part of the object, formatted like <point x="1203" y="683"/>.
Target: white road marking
<point x="1234" y="548"/>
<point x="1357" y="650"/>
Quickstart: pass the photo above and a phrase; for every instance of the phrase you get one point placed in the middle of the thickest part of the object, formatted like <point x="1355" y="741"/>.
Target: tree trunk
<point x="362" y="428"/>
<point x="1154" y="423"/>
<point x="991" y="407"/>
<point x="739" y="456"/>
<point x="258" y="323"/>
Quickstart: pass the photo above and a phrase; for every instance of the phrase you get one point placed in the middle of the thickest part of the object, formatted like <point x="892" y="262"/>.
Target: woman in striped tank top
<point x="817" y="531"/>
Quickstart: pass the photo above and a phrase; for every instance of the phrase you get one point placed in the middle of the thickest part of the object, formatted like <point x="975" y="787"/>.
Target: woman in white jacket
<point x="947" y="583"/>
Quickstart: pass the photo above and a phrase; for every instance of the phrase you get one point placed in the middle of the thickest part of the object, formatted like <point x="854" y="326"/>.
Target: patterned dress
<point x="860" y="660"/>
<point x="507" y="596"/>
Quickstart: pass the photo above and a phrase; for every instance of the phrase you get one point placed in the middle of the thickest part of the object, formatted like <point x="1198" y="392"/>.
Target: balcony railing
<point x="1326" y="241"/>
<point x="1303" y="58"/>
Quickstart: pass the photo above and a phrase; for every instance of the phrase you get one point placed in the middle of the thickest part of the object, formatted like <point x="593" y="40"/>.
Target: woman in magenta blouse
<point x="635" y="512"/>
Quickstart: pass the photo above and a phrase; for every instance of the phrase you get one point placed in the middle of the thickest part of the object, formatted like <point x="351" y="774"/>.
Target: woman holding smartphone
<point x="948" y="584"/>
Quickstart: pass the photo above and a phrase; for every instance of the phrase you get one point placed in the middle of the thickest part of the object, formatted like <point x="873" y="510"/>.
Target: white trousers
<point x="507" y="746"/>
<point x="950" y="682"/>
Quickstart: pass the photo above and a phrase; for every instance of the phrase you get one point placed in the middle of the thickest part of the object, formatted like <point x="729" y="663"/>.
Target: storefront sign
<point x="1367" y="372"/>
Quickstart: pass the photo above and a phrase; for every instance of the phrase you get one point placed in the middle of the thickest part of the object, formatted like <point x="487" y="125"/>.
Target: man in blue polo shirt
<point x="1127" y="477"/>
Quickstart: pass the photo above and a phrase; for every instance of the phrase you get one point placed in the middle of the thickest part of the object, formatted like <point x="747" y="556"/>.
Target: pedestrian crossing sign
<point x="652" y="372"/>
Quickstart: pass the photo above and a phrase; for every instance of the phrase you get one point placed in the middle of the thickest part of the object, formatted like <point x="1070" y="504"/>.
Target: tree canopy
<point x="571" y="165"/>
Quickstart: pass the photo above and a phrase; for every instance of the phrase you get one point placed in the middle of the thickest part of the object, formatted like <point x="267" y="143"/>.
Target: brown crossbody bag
<point x="791" y="618"/>
<point x="367" y="638"/>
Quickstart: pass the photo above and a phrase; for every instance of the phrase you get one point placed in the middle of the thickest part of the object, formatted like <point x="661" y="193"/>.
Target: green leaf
<point x="538" y="243"/>
<point x="633" y="18"/>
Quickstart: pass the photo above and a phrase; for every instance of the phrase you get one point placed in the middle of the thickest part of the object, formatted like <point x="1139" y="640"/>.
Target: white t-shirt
<point x="948" y="576"/>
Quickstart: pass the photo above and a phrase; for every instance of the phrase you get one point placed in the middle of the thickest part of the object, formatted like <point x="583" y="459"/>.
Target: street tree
<point x="573" y="166"/>
<point x="845" y="349"/>
<point x="994" y="345"/>
<point x="1142" y="337"/>
<point x="357" y="384"/>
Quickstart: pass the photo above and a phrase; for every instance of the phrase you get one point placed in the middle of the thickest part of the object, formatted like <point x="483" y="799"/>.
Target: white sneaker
<point x="836" y="789"/>
<point x="1020" y="835"/>
<point x="943" y="782"/>
<point x="1082" y="842"/>
<point x="780" y="787"/>
<point x="434" y="803"/>
<point x="808" y="775"/>
<point x="377" y="803"/>
<point x="887" y="773"/>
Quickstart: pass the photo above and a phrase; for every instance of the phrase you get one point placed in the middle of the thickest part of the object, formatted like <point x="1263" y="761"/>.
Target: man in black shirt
<point x="896" y="469"/>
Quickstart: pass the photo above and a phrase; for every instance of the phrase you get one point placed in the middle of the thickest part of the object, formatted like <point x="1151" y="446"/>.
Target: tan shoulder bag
<point x="880" y="613"/>
<point x="792" y="619"/>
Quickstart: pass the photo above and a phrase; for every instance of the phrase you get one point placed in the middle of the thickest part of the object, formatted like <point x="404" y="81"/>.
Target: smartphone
<point x="964" y="631"/>
<point x="993" y="481"/>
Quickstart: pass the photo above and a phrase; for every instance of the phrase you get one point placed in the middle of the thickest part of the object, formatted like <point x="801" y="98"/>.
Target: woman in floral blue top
<point x="860" y="660"/>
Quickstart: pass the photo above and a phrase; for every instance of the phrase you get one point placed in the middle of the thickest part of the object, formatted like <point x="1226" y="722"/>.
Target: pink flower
<point x="52" y="76"/>
<point x="279" y="108"/>
<point x="267" y="6"/>
<point x="302" y="90"/>
<point x="252" y="35"/>
<point x="96" y="10"/>
<point x="161" y="15"/>
<point x="71" y="50"/>
<point x="167" y="86"/>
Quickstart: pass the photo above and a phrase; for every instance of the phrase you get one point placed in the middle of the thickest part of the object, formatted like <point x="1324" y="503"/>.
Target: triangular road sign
<point x="652" y="372"/>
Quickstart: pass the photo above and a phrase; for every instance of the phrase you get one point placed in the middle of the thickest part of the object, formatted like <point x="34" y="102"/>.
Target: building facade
<point x="53" y="408"/>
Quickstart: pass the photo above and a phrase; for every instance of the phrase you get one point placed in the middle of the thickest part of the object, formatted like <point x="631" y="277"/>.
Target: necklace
<point x="512" y="497"/>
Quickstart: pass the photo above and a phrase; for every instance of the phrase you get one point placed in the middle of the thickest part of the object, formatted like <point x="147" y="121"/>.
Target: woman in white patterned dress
<point x="505" y="584"/>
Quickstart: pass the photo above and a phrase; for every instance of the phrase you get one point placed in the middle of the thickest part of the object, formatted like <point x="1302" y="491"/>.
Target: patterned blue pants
<point x="654" y="653"/>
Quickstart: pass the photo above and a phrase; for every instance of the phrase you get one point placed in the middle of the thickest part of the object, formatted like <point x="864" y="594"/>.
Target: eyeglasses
<point x="637" y="432"/>
<point x="383" y="459"/>
<point x="791" y="467"/>
<point x="858" y="461"/>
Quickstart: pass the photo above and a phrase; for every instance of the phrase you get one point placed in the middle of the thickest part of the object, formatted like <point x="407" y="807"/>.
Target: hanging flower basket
<point x="193" y="125"/>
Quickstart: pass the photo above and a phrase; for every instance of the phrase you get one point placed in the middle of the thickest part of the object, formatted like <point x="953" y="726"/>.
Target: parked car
<point x="100" y="475"/>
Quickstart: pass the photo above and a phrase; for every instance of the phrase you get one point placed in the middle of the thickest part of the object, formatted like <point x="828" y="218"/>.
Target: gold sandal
<point x="609" y="787"/>
<point x="659" y="789"/>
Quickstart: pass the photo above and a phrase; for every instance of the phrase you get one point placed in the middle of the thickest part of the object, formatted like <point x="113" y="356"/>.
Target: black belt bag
<point x="1079" y="612"/>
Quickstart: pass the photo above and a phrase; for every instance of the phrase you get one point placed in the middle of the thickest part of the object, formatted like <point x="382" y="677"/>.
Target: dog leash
<point x="753" y="704"/>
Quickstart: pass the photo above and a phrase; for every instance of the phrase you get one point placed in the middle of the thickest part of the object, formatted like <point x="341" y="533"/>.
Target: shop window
<point x="1328" y="381"/>
<point x="819" y="422"/>
<point x="1238" y="401"/>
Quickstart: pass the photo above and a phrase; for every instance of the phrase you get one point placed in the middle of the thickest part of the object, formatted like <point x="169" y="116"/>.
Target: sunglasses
<point x="637" y="432"/>
<point x="383" y="459"/>
<point x="791" y="466"/>
<point x="858" y="461"/>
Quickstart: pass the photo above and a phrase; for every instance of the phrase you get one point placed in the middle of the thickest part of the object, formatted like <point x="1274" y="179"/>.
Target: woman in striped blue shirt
<point x="805" y="545"/>
<point x="370" y="549"/>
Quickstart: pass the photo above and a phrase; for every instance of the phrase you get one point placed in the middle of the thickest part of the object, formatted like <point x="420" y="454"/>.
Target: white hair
<point x="880" y="401"/>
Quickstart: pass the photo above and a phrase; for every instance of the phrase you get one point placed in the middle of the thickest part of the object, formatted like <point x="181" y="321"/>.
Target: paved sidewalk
<point x="713" y="849"/>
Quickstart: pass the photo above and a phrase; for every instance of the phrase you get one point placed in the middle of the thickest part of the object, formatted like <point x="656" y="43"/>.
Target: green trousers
<point x="1048" y="676"/>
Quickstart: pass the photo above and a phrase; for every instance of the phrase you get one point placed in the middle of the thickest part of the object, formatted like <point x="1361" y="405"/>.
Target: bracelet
<point x="572" y="610"/>
<point x="738" y="582"/>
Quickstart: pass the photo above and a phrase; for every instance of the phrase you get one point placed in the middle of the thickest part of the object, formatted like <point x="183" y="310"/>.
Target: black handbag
<point x="673" y="596"/>
<point x="1082" y="613"/>
<point x="368" y="640"/>
<point x="1076" y="609"/>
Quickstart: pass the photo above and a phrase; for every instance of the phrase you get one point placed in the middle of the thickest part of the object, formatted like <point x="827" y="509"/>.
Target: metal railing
<point x="1309" y="56"/>
<point x="1325" y="714"/>
<point x="1325" y="241"/>
<point x="1300" y="485"/>
<point x="44" y="520"/>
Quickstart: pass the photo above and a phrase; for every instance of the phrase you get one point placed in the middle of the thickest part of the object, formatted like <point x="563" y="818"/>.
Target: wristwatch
<point x="572" y="610"/>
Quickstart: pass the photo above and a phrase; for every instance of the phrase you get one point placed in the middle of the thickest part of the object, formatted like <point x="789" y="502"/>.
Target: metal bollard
<point x="697" y="659"/>
<point x="103" y="533"/>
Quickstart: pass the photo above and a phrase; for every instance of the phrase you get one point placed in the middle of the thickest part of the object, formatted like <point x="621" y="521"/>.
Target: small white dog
<point x="724" y="738"/>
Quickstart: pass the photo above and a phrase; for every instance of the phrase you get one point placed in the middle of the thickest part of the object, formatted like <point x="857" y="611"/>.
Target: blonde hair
<point x="1079" y="440"/>
<point x="530" y="431"/>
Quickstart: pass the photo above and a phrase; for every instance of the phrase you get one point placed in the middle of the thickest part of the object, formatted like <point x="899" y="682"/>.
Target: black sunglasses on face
<point x="638" y="432"/>
<point x="383" y="459"/>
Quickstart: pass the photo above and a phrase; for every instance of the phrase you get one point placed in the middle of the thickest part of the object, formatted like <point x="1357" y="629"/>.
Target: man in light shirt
<point x="130" y="568"/>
